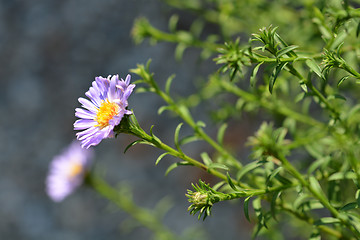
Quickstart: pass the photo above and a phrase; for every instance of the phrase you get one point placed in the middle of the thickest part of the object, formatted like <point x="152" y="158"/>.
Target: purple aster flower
<point x="107" y="105"/>
<point x="67" y="171"/>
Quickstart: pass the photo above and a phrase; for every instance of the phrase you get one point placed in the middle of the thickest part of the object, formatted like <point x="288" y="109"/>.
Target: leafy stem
<point x="131" y="126"/>
<point x="313" y="186"/>
<point x="184" y="113"/>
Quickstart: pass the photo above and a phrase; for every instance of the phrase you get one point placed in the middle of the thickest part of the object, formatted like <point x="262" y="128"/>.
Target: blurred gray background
<point x="50" y="51"/>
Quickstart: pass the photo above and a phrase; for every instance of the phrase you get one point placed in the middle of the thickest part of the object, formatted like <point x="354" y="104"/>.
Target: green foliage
<point x="298" y="75"/>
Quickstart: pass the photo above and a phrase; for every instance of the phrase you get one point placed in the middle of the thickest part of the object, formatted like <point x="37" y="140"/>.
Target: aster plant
<point x="296" y="84"/>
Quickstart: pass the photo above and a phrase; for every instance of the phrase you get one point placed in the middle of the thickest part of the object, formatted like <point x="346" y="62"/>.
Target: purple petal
<point x="87" y="104"/>
<point x="83" y="124"/>
<point x="82" y="113"/>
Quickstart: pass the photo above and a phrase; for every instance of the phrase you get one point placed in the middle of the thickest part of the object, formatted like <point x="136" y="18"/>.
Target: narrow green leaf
<point x="349" y="206"/>
<point x="342" y="80"/>
<point x="179" y="51"/>
<point x="200" y="124"/>
<point x="189" y="139"/>
<point x="246" y="208"/>
<point x="273" y="204"/>
<point x="339" y="40"/>
<point x="168" y="83"/>
<point x="196" y="27"/>
<point x="257" y="206"/>
<point x="275" y="74"/>
<point x="151" y="130"/>
<point x="342" y="175"/>
<point x="358" y="30"/>
<point x="221" y="133"/>
<point x="175" y="165"/>
<point x="316" y="185"/>
<point x="326" y="220"/>
<point x="254" y="73"/>
<point x="160" y="157"/>
<point x="300" y="200"/>
<point x="357" y="197"/>
<point x="163" y="109"/>
<point x="318" y="163"/>
<point x="286" y="50"/>
<point x="338" y="96"/>
<point x="132" y="144"/>
<point x="176" y="137"/>
<point x="314" y="67"/>
<point x="247" y="168"/>
<point x="230" y="181"/>
<point x="218" y="166"/>
<point x="173" y="22"/>
<point x="206" y="158"/>
<point x="273" y="174"/>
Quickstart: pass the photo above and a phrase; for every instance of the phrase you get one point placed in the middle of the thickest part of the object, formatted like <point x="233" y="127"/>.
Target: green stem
<point x="143" y="216"/>
<point x="159" y="144"/>
<point x="315" y="91"/>
<point x="280" y="109"/>
<point x="186" y="116"/>
<point x="323" y="200"/>
<point x="311" y="221"/>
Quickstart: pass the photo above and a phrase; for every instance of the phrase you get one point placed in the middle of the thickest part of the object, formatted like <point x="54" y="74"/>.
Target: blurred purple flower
<point x="105" y="110"/>
<point x="67" y="171"/>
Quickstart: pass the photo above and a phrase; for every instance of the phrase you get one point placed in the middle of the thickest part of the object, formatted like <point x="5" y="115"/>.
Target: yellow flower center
<point x="75" y="170"/>
<point x="106" y="112"/>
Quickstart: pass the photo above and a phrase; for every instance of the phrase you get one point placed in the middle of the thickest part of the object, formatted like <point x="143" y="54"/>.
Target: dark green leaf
<point x="246" y="208"/>
<point x="253" y="74"/>
<point x="342" y="79"/>
<point x="349" y="206"/>
<point x="230" y="182"/>
<point x="275" y="74"/>
<point x="286" y="50"/>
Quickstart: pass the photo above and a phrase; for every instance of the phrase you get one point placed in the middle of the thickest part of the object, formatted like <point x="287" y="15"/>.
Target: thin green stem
<point x="280" y="109"/>
<point x="323" y="200"/>
<point x="142" y="215"/>
<point x="186" y="116"/>
<point x="311" y="221"/>
<point x="316" y="92"/>
<point x="159" y="144"/>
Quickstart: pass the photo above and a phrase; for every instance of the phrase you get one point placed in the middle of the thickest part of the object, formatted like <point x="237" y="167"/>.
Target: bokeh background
<point x="50" y="51"/>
